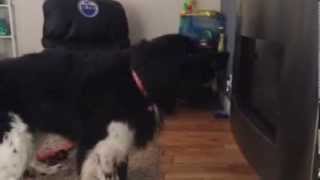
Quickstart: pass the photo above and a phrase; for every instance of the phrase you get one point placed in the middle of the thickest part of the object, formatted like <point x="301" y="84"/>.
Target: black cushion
<point x="65" y="25"/>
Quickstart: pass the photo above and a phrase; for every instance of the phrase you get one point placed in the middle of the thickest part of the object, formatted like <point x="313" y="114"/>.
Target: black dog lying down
<point x="106" y="102"/>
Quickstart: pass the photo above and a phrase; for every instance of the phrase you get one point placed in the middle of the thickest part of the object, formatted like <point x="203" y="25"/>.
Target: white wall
<point x="150" y="18"/>
<point x="147" y="19"/>
<point x="28" y="21"/>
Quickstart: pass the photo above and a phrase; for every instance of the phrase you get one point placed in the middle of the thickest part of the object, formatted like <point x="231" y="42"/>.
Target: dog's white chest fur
<point x="15" y="150"/>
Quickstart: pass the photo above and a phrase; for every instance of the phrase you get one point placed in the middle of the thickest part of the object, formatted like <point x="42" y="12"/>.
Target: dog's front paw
<point x="94" y="169"/>
<point x="44" y="169"/>
<point x="109" y="166"/>
<point x="104" y="160"/>
<point x="113" y="176"/>
<point x="109" y="159"/>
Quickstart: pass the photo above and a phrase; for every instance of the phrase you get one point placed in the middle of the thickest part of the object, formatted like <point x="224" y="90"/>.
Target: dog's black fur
<point x="77" y="95"/>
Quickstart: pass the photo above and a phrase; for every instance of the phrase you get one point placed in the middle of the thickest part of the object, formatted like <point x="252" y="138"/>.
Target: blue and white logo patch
<point x="88" y="8"/>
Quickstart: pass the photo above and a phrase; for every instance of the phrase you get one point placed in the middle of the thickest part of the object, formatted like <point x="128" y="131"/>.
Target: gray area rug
<point x="143" y="165"/>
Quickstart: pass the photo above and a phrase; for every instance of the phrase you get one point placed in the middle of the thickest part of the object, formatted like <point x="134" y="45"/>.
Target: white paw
<point x="54" y="169"/>
<point x="109" y="166"/>
<point x="43" y="169"/>
<point x="106" y="157"/>
<point x="101" y="164"/>
<point x="92" y="169"/>
<point x="113" y="177"/>
<point x="113" y="151"/>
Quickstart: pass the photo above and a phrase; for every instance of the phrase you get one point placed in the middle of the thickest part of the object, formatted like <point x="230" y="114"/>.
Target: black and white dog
<point x="106" y="102"/>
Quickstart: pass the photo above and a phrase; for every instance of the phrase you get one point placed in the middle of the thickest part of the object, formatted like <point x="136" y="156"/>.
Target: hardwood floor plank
<point x="195" y="146"/>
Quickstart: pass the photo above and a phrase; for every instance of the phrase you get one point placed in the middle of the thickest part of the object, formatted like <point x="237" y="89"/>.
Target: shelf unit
<point x="8" y="44"/>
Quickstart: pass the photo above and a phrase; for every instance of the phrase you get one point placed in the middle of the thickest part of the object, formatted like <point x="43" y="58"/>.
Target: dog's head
<point x="168" y="64"/>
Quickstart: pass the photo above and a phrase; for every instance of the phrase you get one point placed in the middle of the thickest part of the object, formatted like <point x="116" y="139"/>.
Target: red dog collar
<point x="152" y="107"/>
<point x="139" y="83"/>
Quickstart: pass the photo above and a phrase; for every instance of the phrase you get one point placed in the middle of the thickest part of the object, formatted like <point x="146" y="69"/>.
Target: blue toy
<point x="205" y="27"/>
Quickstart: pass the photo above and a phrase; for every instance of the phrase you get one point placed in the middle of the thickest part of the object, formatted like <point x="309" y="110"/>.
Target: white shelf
<point x="6" y="37"/>
<point x="4" y="5"/>
<point x="8" y="43"/>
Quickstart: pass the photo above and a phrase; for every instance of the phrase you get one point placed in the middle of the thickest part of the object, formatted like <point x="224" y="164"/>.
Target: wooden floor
<point x="195" y="146"/>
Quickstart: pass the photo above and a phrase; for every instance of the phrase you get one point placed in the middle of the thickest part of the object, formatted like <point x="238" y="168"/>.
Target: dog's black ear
<point x="201" y="67"/>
